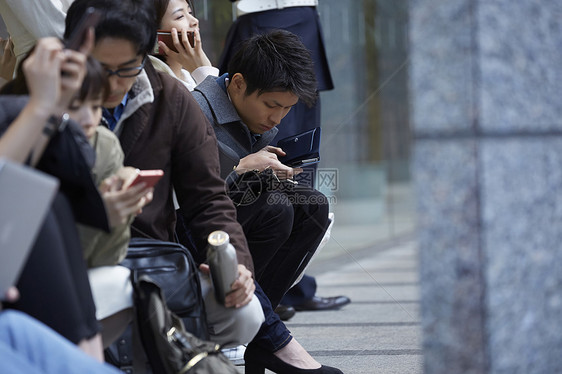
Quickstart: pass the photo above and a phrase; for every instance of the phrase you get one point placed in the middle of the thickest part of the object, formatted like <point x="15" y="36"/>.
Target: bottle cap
<point x="218" y="238"/>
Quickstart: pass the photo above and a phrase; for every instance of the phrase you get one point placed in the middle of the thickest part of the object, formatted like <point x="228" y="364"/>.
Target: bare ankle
<point x="295" y="355"/>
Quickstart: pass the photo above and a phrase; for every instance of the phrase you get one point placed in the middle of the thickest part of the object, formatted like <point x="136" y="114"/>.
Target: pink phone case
<point x="150" y="177"/>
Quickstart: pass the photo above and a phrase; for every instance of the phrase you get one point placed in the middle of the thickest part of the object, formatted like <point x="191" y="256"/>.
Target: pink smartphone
<point x="166" y="38"/>
<point x="150" y="177"/>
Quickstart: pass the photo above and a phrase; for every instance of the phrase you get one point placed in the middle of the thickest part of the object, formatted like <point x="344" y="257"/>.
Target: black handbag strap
<point x="139" y="357"/>
<point x="142" y="233"/>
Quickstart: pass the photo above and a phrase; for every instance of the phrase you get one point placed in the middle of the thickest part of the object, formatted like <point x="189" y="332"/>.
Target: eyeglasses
<point x="127" y="72"/>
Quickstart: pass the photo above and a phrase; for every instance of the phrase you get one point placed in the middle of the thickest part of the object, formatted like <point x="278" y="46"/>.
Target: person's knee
<point x="18" y="328"/>
<point x="230" y="327"/>
<point x="319" y="206"/>
<point x="12" y="319"/>
<point x="278" y="212"/>
<point x="312" y="204"/>
<point x="248" y="322"/>
<point x="9" y="319"/>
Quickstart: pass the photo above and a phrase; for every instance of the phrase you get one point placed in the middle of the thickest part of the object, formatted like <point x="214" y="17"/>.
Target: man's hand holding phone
<point x="265" y="158"/>
<point x="125" y="194"/>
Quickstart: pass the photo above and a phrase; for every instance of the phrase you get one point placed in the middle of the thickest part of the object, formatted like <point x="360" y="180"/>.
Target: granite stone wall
<point x="486" y="108"/>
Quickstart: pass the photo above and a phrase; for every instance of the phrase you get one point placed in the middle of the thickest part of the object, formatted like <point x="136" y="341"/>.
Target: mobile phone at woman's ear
<point x="166" y="38"/>
<point x="90" y="19"/>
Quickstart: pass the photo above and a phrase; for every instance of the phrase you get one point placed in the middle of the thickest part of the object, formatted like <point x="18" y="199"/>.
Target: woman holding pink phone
<point x="190" y="64"/>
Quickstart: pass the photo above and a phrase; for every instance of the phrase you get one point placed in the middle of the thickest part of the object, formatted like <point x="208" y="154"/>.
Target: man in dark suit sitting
<point x="266" y="79"/>
<point x="284" y="222"/>
<point x="301" y="18"/>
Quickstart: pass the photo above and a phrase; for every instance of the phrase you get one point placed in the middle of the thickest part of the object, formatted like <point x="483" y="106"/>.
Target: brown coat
<point x="172" y="134"/>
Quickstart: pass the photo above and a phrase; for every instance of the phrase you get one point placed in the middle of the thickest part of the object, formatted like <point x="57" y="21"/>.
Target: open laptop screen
<point x="25" y="198"/>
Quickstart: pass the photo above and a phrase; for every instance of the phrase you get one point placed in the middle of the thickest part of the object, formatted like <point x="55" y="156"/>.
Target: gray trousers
<point x="230" y="327"/>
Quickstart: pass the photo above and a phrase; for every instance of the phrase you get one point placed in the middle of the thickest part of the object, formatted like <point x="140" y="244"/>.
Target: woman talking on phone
<point x="189" y="64"/>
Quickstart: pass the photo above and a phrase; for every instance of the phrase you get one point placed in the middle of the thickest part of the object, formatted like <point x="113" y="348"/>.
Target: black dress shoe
<point x="285" y="312"/>
<point x="323" y="303"/>
<point x="258" y="359"/>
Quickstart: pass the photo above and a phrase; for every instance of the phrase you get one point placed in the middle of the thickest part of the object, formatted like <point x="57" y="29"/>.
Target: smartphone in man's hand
<point x="150" y="177"/>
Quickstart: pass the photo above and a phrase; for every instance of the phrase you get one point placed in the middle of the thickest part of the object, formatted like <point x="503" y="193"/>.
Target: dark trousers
<point x="273" y="333"/>
<point x="283" y="229"/>
<point x="301" y="292"/>
<point x="54" y="283"/>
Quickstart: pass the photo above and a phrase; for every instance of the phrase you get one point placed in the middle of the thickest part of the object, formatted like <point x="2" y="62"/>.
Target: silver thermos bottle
<point x="221" y="256"/>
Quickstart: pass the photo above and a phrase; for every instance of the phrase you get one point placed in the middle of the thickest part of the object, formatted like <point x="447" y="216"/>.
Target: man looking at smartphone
<point x="266" y="78"/>
<point x="284" y="222"/>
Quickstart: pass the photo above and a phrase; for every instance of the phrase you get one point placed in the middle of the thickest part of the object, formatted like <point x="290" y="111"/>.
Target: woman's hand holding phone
<point x="190" y="57"/>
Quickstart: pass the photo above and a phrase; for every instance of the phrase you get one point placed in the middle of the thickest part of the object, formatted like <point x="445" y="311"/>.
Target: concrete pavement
<point x="379" y="332"/>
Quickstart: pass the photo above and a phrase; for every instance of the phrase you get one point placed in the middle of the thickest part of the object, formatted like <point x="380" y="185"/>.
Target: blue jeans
<point x="273" y="334"/>
<point x="28" y="346"/>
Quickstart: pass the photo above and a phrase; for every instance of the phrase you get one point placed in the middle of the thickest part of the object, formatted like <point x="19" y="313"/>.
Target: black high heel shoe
<point x="258" y="359"/>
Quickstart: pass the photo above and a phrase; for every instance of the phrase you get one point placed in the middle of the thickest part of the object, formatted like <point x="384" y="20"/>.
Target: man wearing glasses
<point x="120" y="86"/>
<point x="160" y="126"/>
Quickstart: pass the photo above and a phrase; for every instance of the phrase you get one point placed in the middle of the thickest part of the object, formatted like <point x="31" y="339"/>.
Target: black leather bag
<point x="169" y="348"/>
<point x="172" y="268"/>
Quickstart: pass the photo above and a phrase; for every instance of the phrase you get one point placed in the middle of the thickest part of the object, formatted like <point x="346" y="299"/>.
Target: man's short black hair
<point x="132" y="20"/>
<point x="95" y="84"/>
<point x="276" y="62"/>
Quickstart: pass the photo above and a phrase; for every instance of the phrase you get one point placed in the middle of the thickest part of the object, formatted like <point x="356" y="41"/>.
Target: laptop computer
<point x="25" y="198"/>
